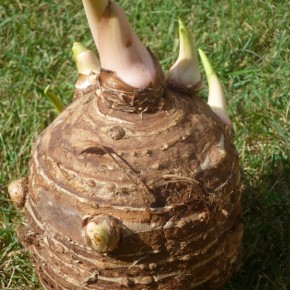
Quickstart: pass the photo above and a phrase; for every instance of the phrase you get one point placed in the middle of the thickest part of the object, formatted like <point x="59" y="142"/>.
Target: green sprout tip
<point x="216" y="95"/>
<point x="54" y="99"/>
<point x="86" y="61"/>
<point x="185" y="70"/>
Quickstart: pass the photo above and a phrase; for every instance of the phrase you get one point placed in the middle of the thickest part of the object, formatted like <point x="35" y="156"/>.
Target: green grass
<point x="248" y="44"/>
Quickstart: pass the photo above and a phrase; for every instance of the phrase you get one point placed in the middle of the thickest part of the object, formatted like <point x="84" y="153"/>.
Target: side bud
<point x="102" y="233"/>
<point x="17" y="190"/>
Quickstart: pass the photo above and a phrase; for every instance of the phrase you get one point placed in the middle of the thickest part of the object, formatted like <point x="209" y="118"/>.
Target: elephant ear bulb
<point x="136" y="184"/>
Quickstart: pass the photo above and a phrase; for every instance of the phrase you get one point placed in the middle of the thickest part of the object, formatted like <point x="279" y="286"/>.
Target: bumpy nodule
<point x="138" y="193"/>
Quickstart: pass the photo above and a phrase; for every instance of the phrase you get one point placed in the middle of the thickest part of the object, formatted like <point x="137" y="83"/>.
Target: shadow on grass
<point x="266" y="202"/>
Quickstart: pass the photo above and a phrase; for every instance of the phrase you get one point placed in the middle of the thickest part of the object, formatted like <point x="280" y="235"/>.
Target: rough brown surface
<point x="169" y="176"/>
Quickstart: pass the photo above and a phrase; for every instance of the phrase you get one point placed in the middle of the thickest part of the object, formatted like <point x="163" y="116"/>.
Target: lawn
<point x="248" y="43"/>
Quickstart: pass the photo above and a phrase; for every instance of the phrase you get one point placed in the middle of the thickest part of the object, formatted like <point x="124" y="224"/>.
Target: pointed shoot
<point x="120" y="49"/>
<point x="54" y="99"/>
<point x="185" y="70"/>
<point x="86" y="61"/>
<point x="94" y="10"/>
<point x="216" y="96"/>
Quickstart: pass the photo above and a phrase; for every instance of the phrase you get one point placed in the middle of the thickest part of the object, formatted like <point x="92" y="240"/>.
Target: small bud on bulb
<point x="102" y="233"/>
<point x="17" y="192"/>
